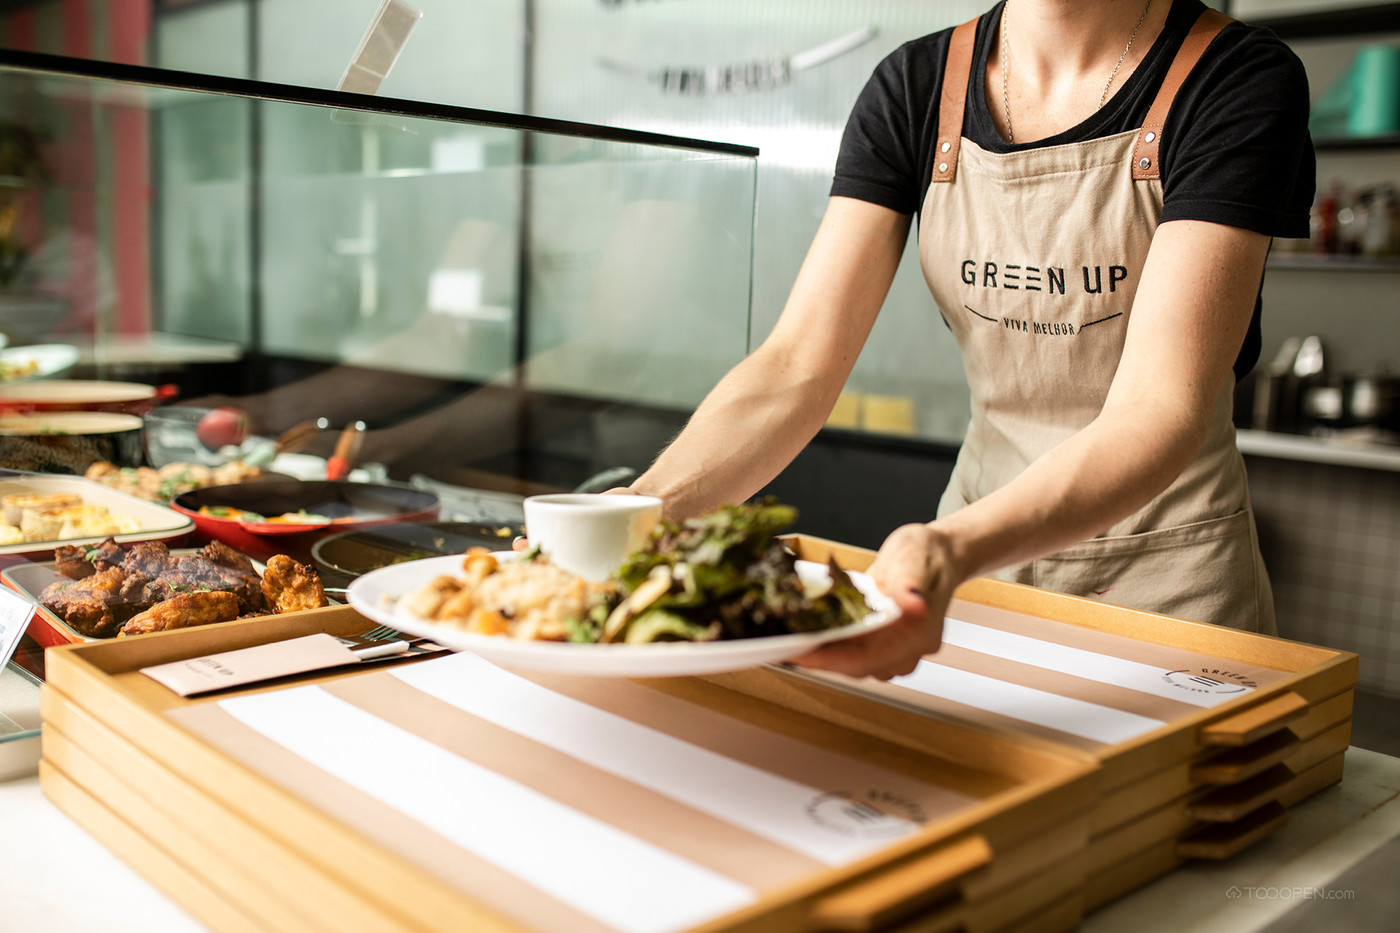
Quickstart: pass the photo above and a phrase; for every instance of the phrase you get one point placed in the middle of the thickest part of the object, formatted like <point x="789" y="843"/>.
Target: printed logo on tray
<point x="1209" y="681"/>
<point x="874" y="814"/>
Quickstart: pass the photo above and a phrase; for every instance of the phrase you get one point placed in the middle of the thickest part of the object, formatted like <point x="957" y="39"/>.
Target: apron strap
<point x="1206" y="28"/>
<point x="956" y="72"/>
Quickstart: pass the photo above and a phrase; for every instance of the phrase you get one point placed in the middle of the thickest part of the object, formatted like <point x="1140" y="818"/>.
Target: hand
<point x="915" y="568"/>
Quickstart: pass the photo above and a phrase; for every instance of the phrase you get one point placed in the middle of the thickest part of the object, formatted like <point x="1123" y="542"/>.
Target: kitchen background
<point x="240" y="239"/>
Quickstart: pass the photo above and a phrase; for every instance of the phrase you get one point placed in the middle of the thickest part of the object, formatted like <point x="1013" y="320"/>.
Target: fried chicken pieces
<point x="111" y="591"/>
<point x="288" y="585"/>
<point x="183" y="611"/>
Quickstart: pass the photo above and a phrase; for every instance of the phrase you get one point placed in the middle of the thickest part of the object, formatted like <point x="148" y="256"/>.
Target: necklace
<point x="1006" y="57"/>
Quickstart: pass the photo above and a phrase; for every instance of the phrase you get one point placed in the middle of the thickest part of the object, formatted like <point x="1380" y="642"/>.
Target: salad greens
<point x="720" y="576"/>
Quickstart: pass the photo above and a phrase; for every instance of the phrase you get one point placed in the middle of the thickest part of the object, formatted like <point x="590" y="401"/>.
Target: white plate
<point x="376" y="595"/>
<point x="48" y="359"/>
<point x="156" y="522"/>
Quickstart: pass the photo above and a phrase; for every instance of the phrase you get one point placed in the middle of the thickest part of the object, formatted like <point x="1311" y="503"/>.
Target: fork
<point x="383" y="633"/>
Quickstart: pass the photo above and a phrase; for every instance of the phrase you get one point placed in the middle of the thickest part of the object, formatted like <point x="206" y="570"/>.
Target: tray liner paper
<point x="572" y="803"/>
<point x="1080" y="687"/>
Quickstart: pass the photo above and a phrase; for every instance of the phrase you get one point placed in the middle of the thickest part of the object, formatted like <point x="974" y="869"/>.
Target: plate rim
<point x="619" y="660"/>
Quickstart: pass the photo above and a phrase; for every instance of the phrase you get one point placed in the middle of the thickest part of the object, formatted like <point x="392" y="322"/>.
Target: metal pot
<point x="68" y="441"/>
<point x="1373" y="399"/>
<point x="1325" y="403"/>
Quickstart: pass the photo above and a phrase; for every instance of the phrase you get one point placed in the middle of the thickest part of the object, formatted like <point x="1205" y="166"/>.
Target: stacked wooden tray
<point x="1205" y="736"/>
<point x="447" y="794"/>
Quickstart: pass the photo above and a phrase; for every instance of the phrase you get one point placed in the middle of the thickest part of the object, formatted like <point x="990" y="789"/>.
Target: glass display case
<point x="504" y="302"/>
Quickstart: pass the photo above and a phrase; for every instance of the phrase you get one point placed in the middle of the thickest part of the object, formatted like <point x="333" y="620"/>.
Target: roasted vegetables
<point x="725" y="575"/>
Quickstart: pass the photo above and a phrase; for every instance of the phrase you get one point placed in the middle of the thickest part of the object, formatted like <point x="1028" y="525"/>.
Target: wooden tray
<point x="1013" y="858"/>
<point x="1111" y="879"/>
<point x="1302" y="676"/>
<point x="47" y="628"/>
<point x="1224" y="773"/>
<point x="1205" y="784"/>
<point x="1224" y="813"/>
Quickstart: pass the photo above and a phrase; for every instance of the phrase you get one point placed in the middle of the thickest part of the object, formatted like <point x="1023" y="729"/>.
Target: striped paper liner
<point x="573" y="803"/>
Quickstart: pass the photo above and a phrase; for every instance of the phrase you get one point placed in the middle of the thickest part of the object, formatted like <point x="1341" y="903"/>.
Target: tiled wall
<point x="1331" y="540"/>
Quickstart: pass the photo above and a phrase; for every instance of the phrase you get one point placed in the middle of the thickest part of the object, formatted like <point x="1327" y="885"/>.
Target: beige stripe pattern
<point x="862" y="806"/>
<point x="719" y="846"/>
<point x="1110" y="645"/>
<point x="413" y="842"/>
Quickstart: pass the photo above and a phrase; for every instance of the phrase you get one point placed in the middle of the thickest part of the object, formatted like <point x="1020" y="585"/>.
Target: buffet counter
<point x="56" y="878"/>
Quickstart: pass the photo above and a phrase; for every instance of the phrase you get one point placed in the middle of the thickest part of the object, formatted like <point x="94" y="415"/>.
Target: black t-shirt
<point x="1235" y="147"/>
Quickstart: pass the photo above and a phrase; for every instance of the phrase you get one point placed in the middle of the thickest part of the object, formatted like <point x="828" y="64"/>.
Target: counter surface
<point x="1332" y="866"/>
<point x="1334" y="451"/>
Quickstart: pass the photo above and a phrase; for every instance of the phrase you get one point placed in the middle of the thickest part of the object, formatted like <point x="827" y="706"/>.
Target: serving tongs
<point x="298" y="436"/>
<point x="290" y="441"/>
<point x="347" y="448"/>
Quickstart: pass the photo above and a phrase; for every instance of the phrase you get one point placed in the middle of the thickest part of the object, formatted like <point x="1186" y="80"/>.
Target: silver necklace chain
<point x="1006" y="57"/>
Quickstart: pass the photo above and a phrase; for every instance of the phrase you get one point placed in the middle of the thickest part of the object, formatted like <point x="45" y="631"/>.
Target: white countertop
<point x="55" y="878"/>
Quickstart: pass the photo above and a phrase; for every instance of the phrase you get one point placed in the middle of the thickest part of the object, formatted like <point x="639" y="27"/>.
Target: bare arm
<point x="1189" y="318"/>
<point x="766" y="409"/>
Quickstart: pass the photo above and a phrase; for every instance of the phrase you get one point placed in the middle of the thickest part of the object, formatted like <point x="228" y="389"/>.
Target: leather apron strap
<point x="957" y="73"/>
<point x="1205" y="29"/>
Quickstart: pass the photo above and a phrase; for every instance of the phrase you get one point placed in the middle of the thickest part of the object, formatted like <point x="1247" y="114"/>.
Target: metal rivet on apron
<point x="1145" y="163"/>
<point x="1150" y="136"/>
<point x="943" y="166"/>
<point x="945" y="147"/>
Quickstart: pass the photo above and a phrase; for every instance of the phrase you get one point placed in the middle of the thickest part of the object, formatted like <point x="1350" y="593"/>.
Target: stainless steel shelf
<point x="1317" y="263"/>
<point x="1329" y="450"/>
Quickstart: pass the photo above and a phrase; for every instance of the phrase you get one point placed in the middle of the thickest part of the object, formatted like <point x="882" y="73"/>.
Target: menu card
<point x="15" y="612"/>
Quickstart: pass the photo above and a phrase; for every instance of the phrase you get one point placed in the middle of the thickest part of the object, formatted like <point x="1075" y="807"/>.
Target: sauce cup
<point x="590" y="534"/>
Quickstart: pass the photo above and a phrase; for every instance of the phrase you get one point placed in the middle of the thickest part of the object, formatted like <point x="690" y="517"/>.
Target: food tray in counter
<point x="47" y="627"/>
<point x="858" y="816"/>
<point x="1205" y="734"/>
<point x="19" y="721"/>
<point x="148" y="521"/>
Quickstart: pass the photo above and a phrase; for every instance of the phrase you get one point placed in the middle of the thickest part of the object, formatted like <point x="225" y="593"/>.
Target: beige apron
<point x="1034" y="257"/>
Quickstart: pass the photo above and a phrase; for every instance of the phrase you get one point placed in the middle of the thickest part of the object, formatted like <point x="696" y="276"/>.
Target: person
<point x="1096" y="185"/>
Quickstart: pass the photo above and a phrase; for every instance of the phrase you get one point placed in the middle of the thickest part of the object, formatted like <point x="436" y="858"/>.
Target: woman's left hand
<point x="915" y="568"/>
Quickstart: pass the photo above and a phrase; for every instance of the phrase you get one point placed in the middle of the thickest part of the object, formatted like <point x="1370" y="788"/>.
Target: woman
<point x="1096" y="185"/>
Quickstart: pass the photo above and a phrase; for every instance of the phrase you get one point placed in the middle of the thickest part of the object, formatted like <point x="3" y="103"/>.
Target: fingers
<point x="915" y="570"/>
<point x="889" y="652"/>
